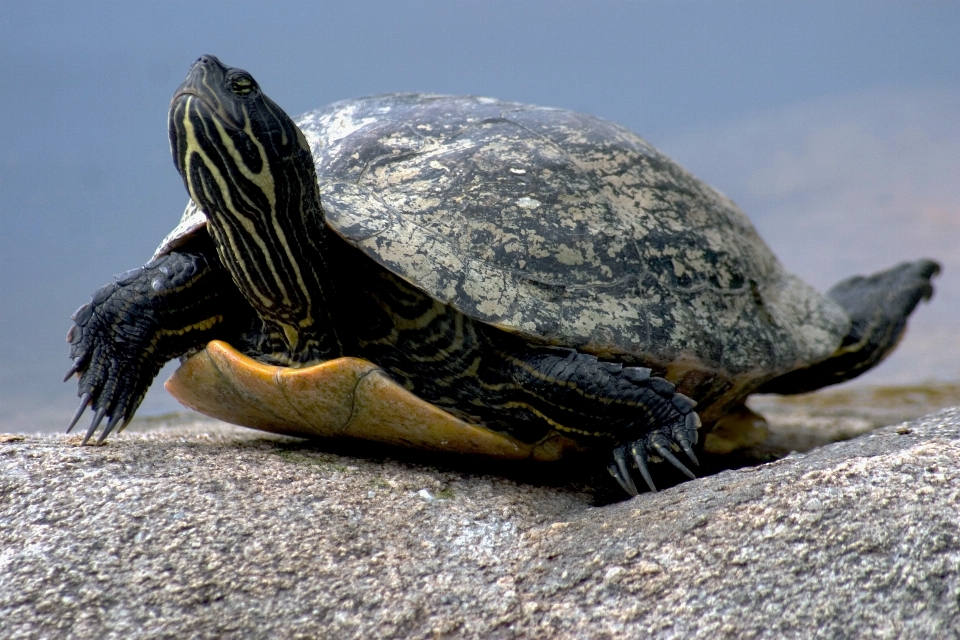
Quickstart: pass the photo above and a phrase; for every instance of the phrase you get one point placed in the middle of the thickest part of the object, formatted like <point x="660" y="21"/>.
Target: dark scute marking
<point x="547" y="290"/>
<point x="339" y="206"/>
<point x="377" y="143"/>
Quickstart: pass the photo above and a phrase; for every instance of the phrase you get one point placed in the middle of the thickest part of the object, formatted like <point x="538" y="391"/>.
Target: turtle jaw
<point x="180" y="103"/>
<point x="208" y="82"/>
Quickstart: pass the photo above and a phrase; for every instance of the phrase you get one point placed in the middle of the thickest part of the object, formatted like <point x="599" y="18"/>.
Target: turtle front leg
<point x="133" y="326"/>
<point x="589" y="399"/>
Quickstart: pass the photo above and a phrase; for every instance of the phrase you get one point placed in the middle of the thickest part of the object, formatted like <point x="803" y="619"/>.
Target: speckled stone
<point x="208" y="531"/>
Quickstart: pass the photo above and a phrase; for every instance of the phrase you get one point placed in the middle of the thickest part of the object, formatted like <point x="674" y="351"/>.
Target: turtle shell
<point x="564" y="228"/>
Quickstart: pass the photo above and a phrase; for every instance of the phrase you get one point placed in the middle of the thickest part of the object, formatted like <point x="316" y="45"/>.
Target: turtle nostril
<point x="208" y="60"/>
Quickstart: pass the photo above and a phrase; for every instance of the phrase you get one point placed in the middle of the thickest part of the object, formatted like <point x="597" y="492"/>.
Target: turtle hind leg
<point x="879" y="306"/>
<point x="593" y="401"/>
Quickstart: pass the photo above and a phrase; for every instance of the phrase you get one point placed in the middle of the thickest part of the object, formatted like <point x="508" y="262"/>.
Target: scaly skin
<point x="131" y="327"/>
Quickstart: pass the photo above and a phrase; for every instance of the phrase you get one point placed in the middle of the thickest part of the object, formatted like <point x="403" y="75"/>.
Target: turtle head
<point x="250" y="171"/>
<point x="231" y="143"/>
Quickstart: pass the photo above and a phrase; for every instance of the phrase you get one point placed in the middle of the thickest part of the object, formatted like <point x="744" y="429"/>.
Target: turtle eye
<point x="241" y="85"/>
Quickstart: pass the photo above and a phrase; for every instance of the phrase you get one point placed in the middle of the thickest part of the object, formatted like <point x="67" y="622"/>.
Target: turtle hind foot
<point x="659" y="444"/>
<point x="878" y="306"/>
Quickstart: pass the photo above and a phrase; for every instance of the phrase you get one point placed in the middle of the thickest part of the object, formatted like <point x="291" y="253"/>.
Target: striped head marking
<point x="249" y="169"/>
<point x="226" y="135"/>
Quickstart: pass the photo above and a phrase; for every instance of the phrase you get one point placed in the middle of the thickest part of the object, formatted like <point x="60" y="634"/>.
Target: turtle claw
<point x="77" y="363"/>
<point x="84" y="401"/>
<point x="97" y="419"/>
<point x="687" y="449"/>
<point x="621" y="479"/>
<point x="664" y="453"/>
<point x="117" y="346"/>
<point x="660" y="443"/>
<point x="620" y="459"/>
<point x="123" y="425"/>
<point x="640" y="459"/>
<point x="110" y="425"/>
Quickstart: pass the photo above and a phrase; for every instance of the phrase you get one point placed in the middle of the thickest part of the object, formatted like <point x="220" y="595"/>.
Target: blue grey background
<point x="835" y="126"/>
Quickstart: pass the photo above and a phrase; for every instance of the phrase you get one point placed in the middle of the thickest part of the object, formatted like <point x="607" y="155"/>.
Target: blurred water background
<point x="834" y="125"/>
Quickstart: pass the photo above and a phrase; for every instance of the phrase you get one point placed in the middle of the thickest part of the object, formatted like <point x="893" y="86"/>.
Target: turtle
<point x="466" y="274"/>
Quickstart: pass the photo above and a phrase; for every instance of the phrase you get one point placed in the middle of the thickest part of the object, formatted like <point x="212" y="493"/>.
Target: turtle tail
<point x="878" y="306"/>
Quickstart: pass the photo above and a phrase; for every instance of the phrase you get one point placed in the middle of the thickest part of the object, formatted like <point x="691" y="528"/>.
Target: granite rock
<point x="206" y="531"/>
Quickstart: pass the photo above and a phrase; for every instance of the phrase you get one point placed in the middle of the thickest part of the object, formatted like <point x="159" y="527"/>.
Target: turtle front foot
<point x="657" y="445"/>
<point x="121" y="338"/>
<point x="110" y="338"/>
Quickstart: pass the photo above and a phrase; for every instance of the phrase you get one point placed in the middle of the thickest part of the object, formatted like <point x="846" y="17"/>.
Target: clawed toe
<point x="97" y="419"/>
<point x="84" y="401"/>
<point x="660" y="443"/>
<point x="114" y="420"/>
<point x="687" y="449"/>
<point x="664" y="453"/>
<point x="640" y="459"/>
<point x="77" y="363"/>
<point x="116" y="414"/>
<point x="621" y="471"/>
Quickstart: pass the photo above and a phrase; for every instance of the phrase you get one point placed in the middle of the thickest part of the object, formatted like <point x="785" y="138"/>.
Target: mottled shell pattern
<point x="565" y="228"/>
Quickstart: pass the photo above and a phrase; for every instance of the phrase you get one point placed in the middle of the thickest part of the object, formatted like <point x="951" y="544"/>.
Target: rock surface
<point x="208" y="530"/>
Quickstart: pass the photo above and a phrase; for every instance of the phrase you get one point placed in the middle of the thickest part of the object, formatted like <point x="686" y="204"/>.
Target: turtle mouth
<point x="212" y="108"/>
<point x="185" y="91"/>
